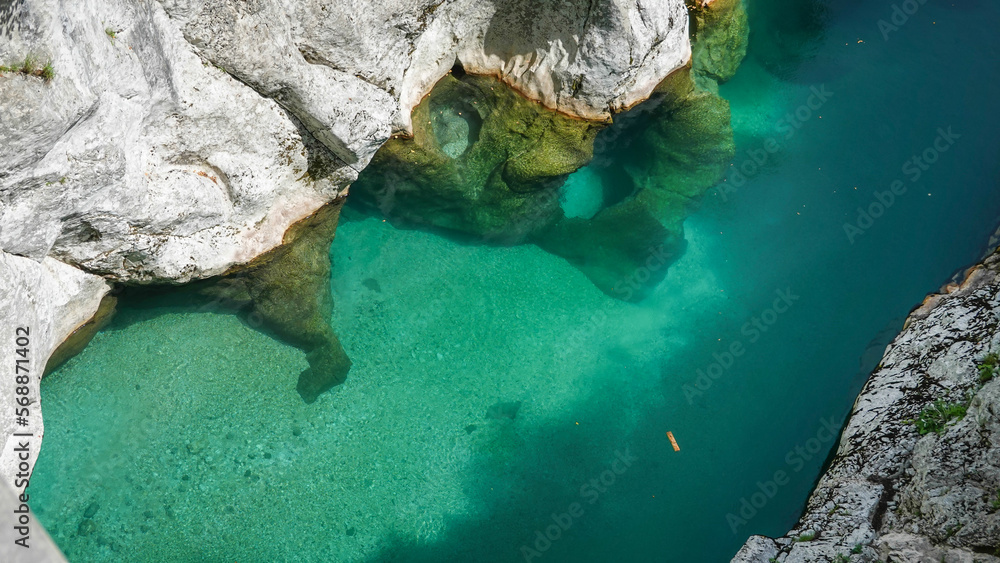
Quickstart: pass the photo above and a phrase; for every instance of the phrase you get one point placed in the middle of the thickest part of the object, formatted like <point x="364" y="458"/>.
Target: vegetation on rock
<point x="988" y="367"/>
<point x="29" y="67"/>
<point x="936" y="417"/>
<point x="720" y="35"/>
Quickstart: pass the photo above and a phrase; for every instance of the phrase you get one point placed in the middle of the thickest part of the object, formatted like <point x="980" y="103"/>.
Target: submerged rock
<point x="290" y="288"/>
<point x="500" y="186"/>
<point x="287" y="292"/>
<point x="86" y="527"/>
<point x="496" y="177"/>
<point x="501" y="411"/>
<point x="721" y="34"/>
<point x="372" y="284"/>
<point x="682" y="141"/>
<point x="91" y="510"/>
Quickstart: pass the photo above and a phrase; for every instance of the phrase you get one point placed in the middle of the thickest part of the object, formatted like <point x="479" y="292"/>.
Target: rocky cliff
<point x="916" y="476"/>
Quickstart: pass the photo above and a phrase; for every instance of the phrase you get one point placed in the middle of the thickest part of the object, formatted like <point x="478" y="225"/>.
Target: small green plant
<point x="808" y="536"/>
<point x="856" y="549"/>
<point x="28" y="65"/>
<point x="995" y="503"/>
<point x="841" y="558"/>
<point x="48" y="72"/>
<point x="111" y="33"/>
<point x="772" y="560"/>
<point x="988" y="367"/>
<point x="937" y="416"/>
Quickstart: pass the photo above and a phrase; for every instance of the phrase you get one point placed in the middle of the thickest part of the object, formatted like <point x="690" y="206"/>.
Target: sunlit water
<point x="181" y="437"/>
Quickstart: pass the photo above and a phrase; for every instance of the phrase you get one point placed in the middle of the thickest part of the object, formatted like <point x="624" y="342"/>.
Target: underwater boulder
<point x="289" y="287"/>
<point x="498" y="182"/>
<point x="680" y="143"/>
<point x="720" y="33"/>
<point x="488" y="164"/>
<point x="285" y="293"/>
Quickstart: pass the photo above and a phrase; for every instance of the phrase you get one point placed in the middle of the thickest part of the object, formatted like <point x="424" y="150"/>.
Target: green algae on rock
<point x="720" y="34"/>
<point x="682" y="142"/>
<point x="483" y="160"/>
<point x="289" y="288"/>
<point x="487" y="163"/>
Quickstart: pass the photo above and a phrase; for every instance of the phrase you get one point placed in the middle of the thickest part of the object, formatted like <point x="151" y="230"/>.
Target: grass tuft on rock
<point x="29" y="67"/>
<point x="936" y="417"/>
<point x="988" y="367"/>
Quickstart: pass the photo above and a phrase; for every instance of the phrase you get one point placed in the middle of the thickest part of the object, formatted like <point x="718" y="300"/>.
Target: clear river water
<point x="497" y="393"/>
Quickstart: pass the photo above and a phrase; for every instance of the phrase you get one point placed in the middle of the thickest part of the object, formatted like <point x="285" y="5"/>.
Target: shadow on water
<point x="517" y="481"/>
<point x="523" y="483"/>
<point x="784" y="34"/>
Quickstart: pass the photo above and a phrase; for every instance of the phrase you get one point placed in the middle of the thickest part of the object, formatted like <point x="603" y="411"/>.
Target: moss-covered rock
<point x="679" y="144"/>
<point x="483" y="161"/>
<point x="719" y="37"/>
<point x="488" y="163"/>
<point x="288" y="289"/>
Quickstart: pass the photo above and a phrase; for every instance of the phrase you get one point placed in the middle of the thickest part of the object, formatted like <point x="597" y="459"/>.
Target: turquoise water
<point x="181" y="437"/>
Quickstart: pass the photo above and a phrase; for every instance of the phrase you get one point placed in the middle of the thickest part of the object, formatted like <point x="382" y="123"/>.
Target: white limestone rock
<point x="139" y="161"/>
<point x="353" y="71"/>
<point x="49" y="300"/>
<point x="758" y="549"/>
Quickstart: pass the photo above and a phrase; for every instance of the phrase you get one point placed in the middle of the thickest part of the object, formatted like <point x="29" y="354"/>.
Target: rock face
<point x="892" y="493"/>
<point x="138" y="161"/>
<point x="353" y="71"/>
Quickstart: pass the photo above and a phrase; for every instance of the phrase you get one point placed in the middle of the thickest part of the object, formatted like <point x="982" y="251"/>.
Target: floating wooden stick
<point x="673" y="442"/>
